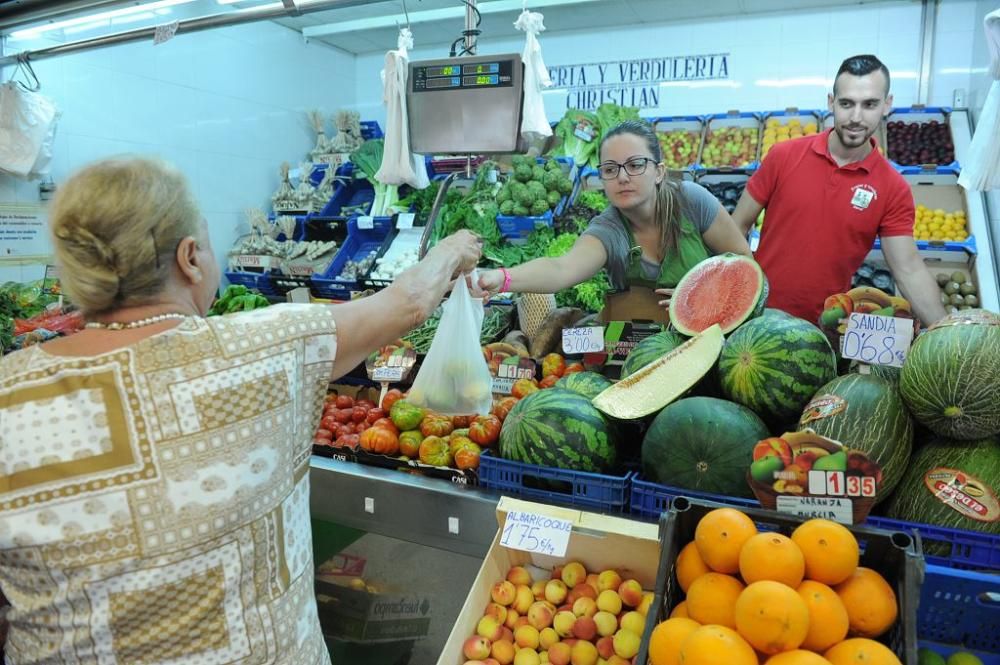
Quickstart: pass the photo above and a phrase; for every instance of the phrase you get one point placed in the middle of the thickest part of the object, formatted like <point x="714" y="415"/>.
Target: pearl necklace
<point x="135" y="324"/>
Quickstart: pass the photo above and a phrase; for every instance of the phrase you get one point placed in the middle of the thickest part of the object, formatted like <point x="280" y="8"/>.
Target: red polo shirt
<point x="822" y="219"/>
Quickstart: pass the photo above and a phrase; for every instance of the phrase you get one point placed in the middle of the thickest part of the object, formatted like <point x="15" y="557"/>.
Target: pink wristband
<point x="506" y="280"/>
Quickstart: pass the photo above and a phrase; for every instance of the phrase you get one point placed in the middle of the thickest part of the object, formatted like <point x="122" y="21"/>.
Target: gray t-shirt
<point x="698" y="206"/>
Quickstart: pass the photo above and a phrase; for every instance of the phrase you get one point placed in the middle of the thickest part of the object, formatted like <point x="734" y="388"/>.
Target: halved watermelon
<point x="659" y="383"/>
<point x="727" y="289"/>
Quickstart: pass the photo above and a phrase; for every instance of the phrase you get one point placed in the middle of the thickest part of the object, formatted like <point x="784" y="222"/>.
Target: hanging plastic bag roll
<point x="454" y="379"/>
<point x="534" y="124"/>
<point x="981" y="170"/>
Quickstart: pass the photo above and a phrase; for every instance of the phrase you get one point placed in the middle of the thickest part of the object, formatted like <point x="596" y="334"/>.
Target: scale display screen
<point x="463" y="76"/>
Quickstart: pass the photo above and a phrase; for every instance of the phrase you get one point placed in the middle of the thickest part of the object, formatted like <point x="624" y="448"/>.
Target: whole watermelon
<point x="588" y="384"/>
<point x="703" y="444"/>
<point x="870" y="417"/>
<point x="774" y="364"/>
<point x="652" y="348"/>
<point x="558" y="428"/>
<point x="951" y="376"/>
<point x="919" y="497"/>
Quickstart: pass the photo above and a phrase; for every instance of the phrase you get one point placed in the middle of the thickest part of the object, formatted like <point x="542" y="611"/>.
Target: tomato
<point x="380" y="441"/>
<point x="434" y="425"/>
<point x="573" y="368"/>
<point x="359" y="414"/>
<point x="367" y="403"/>
<point x="385" y="423"/>
<point x="405" y="415"/>
<point x="324" y="433"/>
<point x="456" y="443"/>
<point x="391" y="398"/>
<point x="343" y="416"/>
<point x="345" y="402"/>
<point x="342" y="430"/>
<point x="524" y="387"/>
<point x="485" y="430"/>
<point x="330" y="398"/>
<point x="503" y="406"/>
<point x="375" y="413"/>
<point x="329" y="422"/>
<point x="434" y="451"/>
<point x="320" y="441"/>
<point x="553" y="364"/>
<point x="467" y="456"/>
<point x="458" y="422"/>
<point x="409" y="443"/>
<point x="549" y="381"/>
<point x="348" y="441"/>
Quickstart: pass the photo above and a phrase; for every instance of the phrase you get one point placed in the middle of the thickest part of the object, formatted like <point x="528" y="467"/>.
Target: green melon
<point x="979" y="461"/>
<point x="726" y="290"/>
<point x="703" y="444"/>
<point x="652" y="348"/>
<point x="588" y="384"/>
<point x="951" y="376"/>
<point x="558" y="428"/>
<point x="873" y="419"/>
<point x="774" y="365"/>
<point x="887" y="372"/>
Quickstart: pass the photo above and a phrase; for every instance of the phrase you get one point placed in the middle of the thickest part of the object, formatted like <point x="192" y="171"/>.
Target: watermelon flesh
<point x="662" y="381"/>
<point x="726" y="290"/>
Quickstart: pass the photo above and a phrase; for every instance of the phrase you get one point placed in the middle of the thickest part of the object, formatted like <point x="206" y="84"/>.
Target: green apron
<point x="690" y="250"/>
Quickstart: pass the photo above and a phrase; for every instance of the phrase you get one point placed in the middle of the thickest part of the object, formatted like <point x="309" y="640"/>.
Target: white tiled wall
<point x="226" y="106"/>
<point x="776" y="60"/>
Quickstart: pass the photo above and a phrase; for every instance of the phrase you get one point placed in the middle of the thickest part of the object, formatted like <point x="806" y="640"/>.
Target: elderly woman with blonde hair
<point x="154" y="486"/>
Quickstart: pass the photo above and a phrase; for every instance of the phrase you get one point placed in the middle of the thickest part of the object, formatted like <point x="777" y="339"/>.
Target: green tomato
<point x="406" y="416"/>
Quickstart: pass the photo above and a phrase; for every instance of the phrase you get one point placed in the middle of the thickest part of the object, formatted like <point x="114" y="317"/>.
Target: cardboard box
<point x="636" y="304"/>
<point x="366" y="615"/>
<point x="599" y="542"/>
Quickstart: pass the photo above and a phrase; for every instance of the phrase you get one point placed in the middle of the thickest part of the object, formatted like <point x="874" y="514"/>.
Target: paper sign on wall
<point x="23" y="231"/>
<point x="877" y="340"/>
<point x="534" y="533"/>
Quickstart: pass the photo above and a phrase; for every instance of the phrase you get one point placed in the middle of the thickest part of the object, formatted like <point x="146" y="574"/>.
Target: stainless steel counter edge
<point x="421" y="510"/>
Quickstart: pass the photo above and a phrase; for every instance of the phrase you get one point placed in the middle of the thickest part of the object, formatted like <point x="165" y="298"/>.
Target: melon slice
<point x="727" y="289"/>
<point x="665" y="379"/>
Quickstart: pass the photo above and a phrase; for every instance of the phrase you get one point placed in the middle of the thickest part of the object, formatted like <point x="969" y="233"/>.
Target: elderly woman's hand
<point x="466" y="246"/>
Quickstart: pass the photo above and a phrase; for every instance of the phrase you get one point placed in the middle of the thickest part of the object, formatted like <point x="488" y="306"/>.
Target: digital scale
<point x="466" y="105"/>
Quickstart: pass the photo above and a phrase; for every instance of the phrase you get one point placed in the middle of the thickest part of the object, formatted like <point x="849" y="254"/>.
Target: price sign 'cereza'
<point x="877" y="340"/>
<point x="536" y="533"/>
<point x="583" y="340"/>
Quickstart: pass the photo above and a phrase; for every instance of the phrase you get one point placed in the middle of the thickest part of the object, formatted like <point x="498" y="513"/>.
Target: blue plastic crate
<point x="359" y="243"/>
<point x="348" y="191"/>
<point x="960" y="607"/>
<point x="967" y="246"/>
<point x="370" y="129"/>
<point x="694" y="123"/>
<point x="517" y="229"/>
<point x="261" y="281"/>
<point x="946" y="650"/>
<point x="955" y="548"/>
<point x="744" y="119"/>
<point x="921" y="114"/>
<point x="593" y="491"/>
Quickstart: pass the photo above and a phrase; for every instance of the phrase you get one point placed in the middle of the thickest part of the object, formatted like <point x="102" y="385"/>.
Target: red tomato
<point x="485" y="430"/>
<point x="375" y="414"/>
<point x="320" y="441"/>
<point x="343" y="430"/>
<point x="461" y="422"/>
<point x="323" y="433"/>
<point x="434" y="425"/>
<point x="367" y="403"/>
<point x="343" y="416"/>
<point x="387" y="424"/>
<point x="524" y="387"/>
<point x="549" y="381"/>
<point x="381" y="441"/>
<point x="345" y="402"/>
<point x="348" y="441"/>
<point x="503" y="406"/>
<point x="391" y="398"/>
<point x="573" y="368"/>
<point x="360" y="427"/>
<point x="553" y="364"/>
<point x="359" y="414"/>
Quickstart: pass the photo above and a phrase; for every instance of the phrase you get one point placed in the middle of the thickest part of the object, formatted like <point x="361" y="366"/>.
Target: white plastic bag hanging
<point x="27" y="130"/>
<point x="534" y="124"/>
<point x="399" y="165"/>
<point x="454" y="379"/>
<point x="981" y="171"/>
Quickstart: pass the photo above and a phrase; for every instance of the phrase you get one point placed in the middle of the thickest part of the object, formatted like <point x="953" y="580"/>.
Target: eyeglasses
<point x="634" y="166"/>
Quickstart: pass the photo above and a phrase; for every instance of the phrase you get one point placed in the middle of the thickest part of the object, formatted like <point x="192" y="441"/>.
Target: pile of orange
<point x="765" y="598"/>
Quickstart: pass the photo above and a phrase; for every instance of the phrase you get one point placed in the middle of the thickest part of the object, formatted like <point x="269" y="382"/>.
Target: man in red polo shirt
<point x="828" y="196"/>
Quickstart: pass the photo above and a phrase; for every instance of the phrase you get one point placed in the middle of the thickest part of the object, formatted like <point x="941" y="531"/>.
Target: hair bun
<point x="85" y="245"/>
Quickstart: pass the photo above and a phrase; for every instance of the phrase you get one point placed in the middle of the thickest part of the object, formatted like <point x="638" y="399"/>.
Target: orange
<point x="861" y="651"/>
<point x="712" y="645"/>
<point x="772" y="617"/>
<point x="870" y="602"/>
<point x="712" y="599"/>
<point x="720" y="536"/>
<point x="830" y="550"/>
<point x="690" y="566"/>
<point x="772" y="556"/>
<point x="827" y="616"/>
<point x="665" y="642"/>
<point x="797" y="657"/>
<point x="681" y="611"/>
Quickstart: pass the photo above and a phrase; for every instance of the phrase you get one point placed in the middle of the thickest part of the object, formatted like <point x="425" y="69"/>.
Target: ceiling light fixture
<point x="99" y="18"/>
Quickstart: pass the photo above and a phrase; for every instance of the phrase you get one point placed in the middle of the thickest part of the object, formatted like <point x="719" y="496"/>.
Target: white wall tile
<point x="858" y="27"/>
<point x="956" y="15"/>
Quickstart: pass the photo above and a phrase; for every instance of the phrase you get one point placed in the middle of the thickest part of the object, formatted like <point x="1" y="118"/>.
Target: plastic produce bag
<point x="27" y="130"/>
<point x="454" y="379"/>
<point x="399" y="165"/>
<point x="534" y="124"/>
<point x="981" y="171"/>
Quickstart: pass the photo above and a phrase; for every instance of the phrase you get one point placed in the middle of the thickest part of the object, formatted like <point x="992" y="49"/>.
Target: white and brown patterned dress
<point x="154" y="500"/>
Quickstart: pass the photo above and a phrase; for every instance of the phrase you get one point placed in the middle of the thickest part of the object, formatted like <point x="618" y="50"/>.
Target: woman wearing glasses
<point x="653" y="232"/>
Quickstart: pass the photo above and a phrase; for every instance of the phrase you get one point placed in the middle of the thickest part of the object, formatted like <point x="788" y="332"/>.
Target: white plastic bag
<point x="27" y="130"/>
<point x="399" y="165"/>
<point x="981" y="169"/>
<point x="534" y="124"/>
<point x="454" y="379"/>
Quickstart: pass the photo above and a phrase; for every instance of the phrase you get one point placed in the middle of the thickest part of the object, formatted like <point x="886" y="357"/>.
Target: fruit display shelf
<point x="785" y="125"/>
<point x="921" y="135"/>
<point x="731" y="140"/>
<point x="680" y="139"/>
<point x="726" y="186"/>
